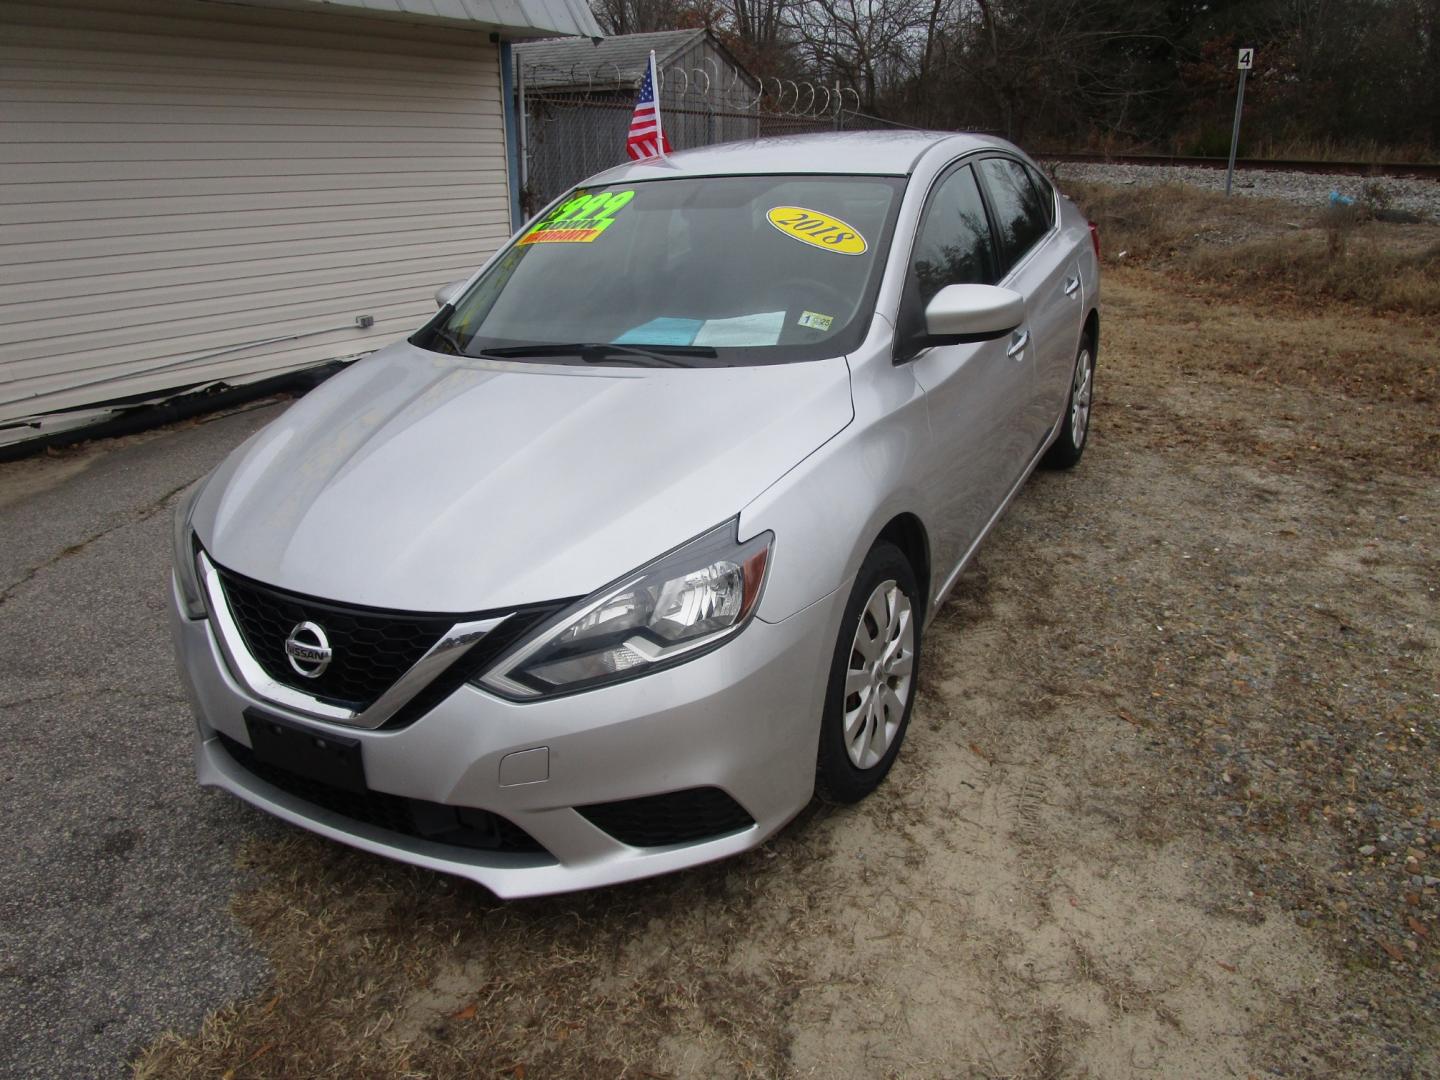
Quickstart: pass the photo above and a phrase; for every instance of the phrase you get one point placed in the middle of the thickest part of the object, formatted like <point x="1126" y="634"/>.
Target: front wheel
<point x="872" y="678"/>
<point x="1065" y="451"/>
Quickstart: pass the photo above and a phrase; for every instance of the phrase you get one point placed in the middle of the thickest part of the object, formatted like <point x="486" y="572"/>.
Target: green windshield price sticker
<point x="579" y="220"/>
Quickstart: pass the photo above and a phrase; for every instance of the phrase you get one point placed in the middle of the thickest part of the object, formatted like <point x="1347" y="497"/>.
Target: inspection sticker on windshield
<point x="579" y="220"/>
<point x="819" y="230"/>
<point x="813" y="320"/>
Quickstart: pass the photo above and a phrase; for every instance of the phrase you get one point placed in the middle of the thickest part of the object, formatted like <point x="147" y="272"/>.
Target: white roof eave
<point x="511" y="18"/>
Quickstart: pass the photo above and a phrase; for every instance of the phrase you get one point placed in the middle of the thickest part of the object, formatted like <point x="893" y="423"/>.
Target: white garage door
<point x="194" y="191"/>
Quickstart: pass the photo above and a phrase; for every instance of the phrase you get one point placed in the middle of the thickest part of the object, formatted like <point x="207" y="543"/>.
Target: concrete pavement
<point x="116" y="870"/>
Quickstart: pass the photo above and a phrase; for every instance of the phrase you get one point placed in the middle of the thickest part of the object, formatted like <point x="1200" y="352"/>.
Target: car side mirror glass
<point x="448" y="294"/>
<point x="965" y="313"/>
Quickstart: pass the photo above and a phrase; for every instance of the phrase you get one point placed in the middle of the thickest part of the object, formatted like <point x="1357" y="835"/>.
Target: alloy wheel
<point x="1080" y="391"/>
<point x="880" y="674"/>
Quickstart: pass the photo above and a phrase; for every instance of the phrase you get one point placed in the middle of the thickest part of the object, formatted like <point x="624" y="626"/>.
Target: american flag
<point x="646" y="138"/>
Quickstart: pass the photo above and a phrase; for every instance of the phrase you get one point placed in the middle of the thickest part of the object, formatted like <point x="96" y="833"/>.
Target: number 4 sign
<point x="1246" y="62"/>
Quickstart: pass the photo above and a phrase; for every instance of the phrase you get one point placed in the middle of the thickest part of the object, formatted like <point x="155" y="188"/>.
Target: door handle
<point x="1018" y="341"/>
<point x="1072" y="286"/>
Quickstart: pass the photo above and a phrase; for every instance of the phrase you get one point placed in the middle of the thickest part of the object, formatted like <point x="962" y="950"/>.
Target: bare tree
<point x="760" y="23"/>
<point x="760" y="33"/>
<point x="638" y="16"/>
<point x="873" y="45"/>
<point x="1157" y="72"/>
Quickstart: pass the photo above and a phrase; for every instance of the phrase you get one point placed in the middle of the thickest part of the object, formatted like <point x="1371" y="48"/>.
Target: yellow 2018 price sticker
<point x="819" y="230"/>
<point x="579" y="220"/>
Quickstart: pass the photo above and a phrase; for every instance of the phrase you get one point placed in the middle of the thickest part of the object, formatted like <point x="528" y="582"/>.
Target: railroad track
<point x="1424" y="171"/>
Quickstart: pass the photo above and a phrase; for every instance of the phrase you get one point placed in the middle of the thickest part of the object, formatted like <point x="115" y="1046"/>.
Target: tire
<point x="1065" y="451"/>
<point x="851" y="766"/>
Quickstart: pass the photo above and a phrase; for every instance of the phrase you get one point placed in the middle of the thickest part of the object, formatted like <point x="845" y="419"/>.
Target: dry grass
<point x="1155" y="222"/>
<point x="1179" y="690"/>
<point x="1359" y="269"/>
<point x="1270" y="250"/>
<point x="1311" y="149"/>
<point x="385" y="971"/>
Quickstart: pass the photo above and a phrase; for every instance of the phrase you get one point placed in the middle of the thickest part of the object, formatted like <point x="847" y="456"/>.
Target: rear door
<point x="975" y="393"/>
<point x="1036" y="263"/>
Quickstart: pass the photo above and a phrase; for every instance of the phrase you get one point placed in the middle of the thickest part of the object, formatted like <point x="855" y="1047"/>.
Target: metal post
<point x="512" y="134"/>
<point x="524" y="141"/>
<point x="1245" y="61"/>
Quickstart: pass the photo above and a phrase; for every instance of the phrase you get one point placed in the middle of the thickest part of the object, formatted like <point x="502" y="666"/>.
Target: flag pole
<point x="655" y="86"/>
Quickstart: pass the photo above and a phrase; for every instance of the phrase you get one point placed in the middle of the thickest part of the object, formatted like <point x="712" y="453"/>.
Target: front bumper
<point x="744" y="719"/>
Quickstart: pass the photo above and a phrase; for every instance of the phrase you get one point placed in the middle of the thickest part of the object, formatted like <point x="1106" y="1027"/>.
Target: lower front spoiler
<point x="509" y="875"/>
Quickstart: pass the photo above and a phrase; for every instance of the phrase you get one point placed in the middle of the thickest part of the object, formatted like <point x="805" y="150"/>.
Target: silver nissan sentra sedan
<point x="632" y="547"/>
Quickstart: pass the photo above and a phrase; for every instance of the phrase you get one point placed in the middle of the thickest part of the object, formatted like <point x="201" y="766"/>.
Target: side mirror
<point x="964" y="313"/>
<point x="448" y="294"/>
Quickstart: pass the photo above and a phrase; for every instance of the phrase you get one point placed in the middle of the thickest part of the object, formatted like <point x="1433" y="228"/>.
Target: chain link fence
<point x="574" y="132"/>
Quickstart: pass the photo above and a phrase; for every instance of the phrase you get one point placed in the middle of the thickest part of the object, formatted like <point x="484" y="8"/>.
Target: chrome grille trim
<point x="456" y="641"/>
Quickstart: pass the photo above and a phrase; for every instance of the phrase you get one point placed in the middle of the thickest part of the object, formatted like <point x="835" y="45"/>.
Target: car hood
<point x="422" y="482"/>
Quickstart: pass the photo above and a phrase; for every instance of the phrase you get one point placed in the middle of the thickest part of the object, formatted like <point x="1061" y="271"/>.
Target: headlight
<point x="683" y="603"/>
<point x="183" y="535"/>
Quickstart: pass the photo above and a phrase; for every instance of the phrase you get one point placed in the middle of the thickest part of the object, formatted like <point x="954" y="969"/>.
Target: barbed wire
<point x="574" y="118"/>
<point x="726" y="88"/>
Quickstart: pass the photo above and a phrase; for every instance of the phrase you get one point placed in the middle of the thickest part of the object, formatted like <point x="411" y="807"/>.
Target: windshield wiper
<point x="597" y="352"/>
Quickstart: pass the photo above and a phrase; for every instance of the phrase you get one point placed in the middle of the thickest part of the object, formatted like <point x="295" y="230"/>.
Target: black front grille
<point x="680" y="817"/>
<point x="456" y="825"/>
<point x="371" y="647"/>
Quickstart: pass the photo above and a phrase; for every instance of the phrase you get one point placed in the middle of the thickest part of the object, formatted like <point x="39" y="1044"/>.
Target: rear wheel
<point x="1065" y="451"/>
<point x="872" y="678"/>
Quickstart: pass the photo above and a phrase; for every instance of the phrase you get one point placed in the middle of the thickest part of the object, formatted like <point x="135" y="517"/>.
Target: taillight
<point x="1095" y="239"/>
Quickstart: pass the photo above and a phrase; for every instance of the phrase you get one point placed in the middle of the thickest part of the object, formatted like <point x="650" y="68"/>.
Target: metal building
<point x="579" y="94"/>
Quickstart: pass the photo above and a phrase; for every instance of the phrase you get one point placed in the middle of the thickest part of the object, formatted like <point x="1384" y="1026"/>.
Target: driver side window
<point x="953" y="246"/>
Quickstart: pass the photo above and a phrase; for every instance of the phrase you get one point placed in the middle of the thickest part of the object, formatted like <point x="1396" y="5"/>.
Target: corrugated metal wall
<point x="179" y="178"/>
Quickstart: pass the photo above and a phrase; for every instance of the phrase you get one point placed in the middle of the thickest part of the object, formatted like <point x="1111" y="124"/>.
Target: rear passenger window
<point x="1022" y="215"/>
<point x="1047" y="193"/>
<point x="953" y="246"/>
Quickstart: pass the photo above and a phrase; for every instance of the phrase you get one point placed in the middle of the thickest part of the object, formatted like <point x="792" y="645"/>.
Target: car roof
<point x="872" y="153"/>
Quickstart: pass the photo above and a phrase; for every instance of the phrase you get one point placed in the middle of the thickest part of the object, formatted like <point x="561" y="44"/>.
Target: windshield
<point x="712" y="270"/>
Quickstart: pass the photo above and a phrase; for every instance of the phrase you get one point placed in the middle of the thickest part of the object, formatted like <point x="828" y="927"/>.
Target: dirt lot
<point x="1169" y="805"/>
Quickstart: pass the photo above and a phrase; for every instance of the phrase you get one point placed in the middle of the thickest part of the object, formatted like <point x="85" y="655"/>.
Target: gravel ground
<point x="1168" y="806"/>
<point x="118" y="870"/>
<point x="1311" y="190"/>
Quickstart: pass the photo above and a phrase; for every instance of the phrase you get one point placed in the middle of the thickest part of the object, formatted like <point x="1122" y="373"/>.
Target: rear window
<point x="1046" y="190"/>
<point x="1021" y="213"/>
